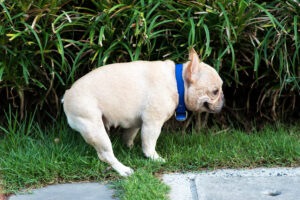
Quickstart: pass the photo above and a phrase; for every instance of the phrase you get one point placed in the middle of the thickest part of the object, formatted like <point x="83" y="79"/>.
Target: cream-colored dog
<point x="137" y="94"/>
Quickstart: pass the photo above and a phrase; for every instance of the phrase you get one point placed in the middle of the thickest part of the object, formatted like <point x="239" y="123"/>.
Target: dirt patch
<point x="2" y="196"/>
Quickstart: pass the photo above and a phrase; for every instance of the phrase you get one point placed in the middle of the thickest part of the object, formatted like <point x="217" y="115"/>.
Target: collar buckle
<point x="181" y="116"/>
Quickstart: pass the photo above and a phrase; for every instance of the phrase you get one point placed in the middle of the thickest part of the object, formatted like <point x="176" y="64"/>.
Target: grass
<point x="141" y="185"/>
<point x="253" y="44"/>
<point x="32" y="156"/>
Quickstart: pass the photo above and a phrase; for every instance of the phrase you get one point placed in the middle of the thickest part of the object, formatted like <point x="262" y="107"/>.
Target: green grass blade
<point x="6" y="12"/>
<point x="226" y="20"/>
<point x="115" y="7"/>
<point x="271" y="17"/>
<point x="128" y="50"/>
<point x="256" y="62"/>
<point x="37" y="39"/>
<point x="207" y="37"/>
<point x="76" y="64"/>
<point x="192" y="33"/>
<point x="25" y="71"/>
<point x="232" y="53"/>
<point x="2" y="67"/>
<point x="101" y="35"/>
<point x="296" y="31"/>
<point x="60" y="49"/>
<point x="152" y="10"/>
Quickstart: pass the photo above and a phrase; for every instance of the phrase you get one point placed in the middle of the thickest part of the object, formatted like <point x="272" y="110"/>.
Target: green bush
<point x="46" y="45"/>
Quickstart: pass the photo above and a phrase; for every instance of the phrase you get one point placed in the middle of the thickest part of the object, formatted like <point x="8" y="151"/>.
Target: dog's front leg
<point x="150" y="133"/>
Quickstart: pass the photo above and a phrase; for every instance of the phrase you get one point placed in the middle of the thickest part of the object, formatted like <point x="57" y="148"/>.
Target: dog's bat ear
<point x="193" y="66"/>
<point x="192" y="53"/>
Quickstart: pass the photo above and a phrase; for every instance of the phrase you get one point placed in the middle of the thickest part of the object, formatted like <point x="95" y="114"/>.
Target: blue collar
<point x="181" y="113"/>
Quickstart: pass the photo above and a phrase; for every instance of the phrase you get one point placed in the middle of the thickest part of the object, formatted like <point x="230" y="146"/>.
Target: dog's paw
<point x="123" y="170"/>
<point x="129" y="145"/>
<point x="126" y="172"/>
<point x="155" y="157"/>
<point x="159" y="159"/>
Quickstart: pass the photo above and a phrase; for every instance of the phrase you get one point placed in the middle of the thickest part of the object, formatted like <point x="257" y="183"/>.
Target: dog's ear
<point x="193" y="67"/>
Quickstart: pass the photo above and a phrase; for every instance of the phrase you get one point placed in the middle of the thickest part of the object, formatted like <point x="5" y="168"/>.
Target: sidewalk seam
<point x="193" y="189"/>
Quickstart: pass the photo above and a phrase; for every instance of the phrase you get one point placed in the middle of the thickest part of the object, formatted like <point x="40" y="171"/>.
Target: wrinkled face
<point x="203" y="87"/>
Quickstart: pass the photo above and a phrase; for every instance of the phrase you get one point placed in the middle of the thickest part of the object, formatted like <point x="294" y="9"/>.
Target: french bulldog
<point x="134" y="95"/>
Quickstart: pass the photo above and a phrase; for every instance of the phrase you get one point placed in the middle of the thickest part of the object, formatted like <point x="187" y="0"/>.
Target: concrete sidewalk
<point x="70" y="191"/>
<point x="227" y="184"/>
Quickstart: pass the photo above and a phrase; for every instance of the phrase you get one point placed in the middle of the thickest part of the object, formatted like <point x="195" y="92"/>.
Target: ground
<point x="34" y="156"/>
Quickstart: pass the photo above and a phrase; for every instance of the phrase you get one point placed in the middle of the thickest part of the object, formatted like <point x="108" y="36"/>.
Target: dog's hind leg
<point x="94" y="133"/>
<point x="129" y="135"/>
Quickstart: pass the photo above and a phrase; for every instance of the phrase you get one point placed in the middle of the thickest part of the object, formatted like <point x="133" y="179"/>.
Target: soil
<point x="2" y="196"/>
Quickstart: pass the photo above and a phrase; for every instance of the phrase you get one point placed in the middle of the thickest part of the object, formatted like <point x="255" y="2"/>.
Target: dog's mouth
<point x="206" y="106"/>
<point x="210" y="105"/>
<point x="209" y="109"/>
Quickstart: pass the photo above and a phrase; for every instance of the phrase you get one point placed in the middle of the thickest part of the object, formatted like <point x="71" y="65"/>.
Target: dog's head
<point x="203" y="86"/>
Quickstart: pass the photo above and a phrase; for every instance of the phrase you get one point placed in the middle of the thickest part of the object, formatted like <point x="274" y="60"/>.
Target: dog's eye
<point x="215" y="92"/>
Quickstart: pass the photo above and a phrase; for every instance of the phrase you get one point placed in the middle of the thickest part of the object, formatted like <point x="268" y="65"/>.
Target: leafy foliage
<point x="47" y="45"/>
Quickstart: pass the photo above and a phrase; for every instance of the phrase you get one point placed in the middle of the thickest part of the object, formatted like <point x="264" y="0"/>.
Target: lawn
<point x="34" y="156"/>
<point x="47" y="45"/>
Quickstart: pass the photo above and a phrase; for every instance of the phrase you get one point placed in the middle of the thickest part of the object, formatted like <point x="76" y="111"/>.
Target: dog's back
<point x="122" y="91"/>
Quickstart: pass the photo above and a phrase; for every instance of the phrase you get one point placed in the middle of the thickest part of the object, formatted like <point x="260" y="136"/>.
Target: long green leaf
<point x="6" y="12"/>
<point x="61" y="51"/>
<point x="271" y="17"/>
<point x="1" y="70"/>
<point x="37" y="39"/>
<point x="207" y="47"/>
